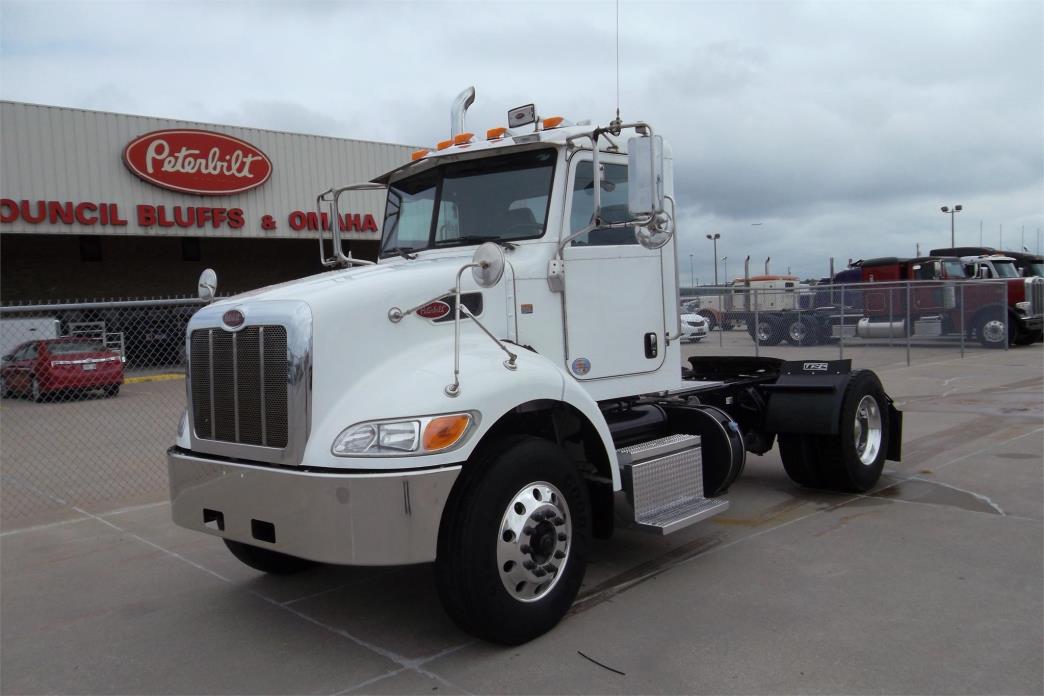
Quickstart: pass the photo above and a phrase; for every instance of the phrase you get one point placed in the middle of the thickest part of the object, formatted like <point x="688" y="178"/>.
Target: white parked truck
<point x="504" y="384"/>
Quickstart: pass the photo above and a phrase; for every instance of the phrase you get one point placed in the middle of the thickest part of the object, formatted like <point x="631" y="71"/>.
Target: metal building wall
<point x="61" y="154"/>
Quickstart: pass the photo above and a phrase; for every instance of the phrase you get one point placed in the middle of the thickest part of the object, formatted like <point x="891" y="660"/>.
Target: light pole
<point x="692" y="272"/>
<point x="956" y="209"/>
<point x="714" y="238"/>
<point x="725" y="263"/>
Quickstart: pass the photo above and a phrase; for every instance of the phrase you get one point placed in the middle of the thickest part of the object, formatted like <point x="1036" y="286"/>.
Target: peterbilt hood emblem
<point x="434" y="310"/>
<point x="233" y="319"/>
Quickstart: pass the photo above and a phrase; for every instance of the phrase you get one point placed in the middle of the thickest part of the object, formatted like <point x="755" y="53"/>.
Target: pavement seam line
<point x="343" y="585"/>
<point x="387" y="654"/>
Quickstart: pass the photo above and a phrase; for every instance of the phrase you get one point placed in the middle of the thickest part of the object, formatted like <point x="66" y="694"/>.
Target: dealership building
<point x="97" y="205"/>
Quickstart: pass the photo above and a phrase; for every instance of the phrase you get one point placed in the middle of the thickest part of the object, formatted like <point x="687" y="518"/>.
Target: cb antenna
<point x="614" y="127"/>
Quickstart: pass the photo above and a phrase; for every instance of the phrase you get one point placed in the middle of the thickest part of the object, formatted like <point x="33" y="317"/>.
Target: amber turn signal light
<point x="462" y="138"/>
<point x="443" y="144"/>
<point x="552" y="121"/>
<point x="417" y="154"/>
<point x="494" y="133"/>
<point x="445" y="431"/>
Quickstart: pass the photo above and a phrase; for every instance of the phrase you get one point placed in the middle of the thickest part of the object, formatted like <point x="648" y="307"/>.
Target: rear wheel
<point x="266" y="560"/>
<point x="800" y="461"/>
<point x="766" y="332"/>
<point x="513" y="541"/>
<point x="853" y="459"/>
<point x="801" y="332"/>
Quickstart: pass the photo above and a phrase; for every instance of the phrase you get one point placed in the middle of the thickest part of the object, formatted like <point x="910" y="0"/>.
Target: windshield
<point x="1035" y="269"/>
<point x="1005" y="269"/>
<point x="497" y="198"/>
<point x="953" y="269"/>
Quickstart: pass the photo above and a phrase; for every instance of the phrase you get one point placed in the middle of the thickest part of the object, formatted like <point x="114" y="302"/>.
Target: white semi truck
<point x="504" y="384"/>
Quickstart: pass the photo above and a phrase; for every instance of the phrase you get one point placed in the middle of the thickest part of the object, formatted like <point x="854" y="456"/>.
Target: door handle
<point x="651" y="347"/>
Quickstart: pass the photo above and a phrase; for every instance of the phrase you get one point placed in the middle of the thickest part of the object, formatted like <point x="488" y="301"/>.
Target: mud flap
<point x="895" y="433"/>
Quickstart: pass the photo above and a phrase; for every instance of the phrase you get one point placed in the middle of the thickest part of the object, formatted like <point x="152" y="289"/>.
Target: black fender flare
<point x="807" y="399"/>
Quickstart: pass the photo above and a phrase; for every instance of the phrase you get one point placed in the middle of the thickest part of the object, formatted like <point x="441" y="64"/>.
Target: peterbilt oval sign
<point x="434" y="310"/>
<point x="197" y="161"/>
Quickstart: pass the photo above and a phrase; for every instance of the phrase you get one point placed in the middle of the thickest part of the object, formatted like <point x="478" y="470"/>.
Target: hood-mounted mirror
<point x="207" y="286"/>
<point x="489" y="264"/>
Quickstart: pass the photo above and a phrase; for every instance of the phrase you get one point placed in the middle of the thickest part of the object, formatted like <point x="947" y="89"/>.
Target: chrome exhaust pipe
<point x="746" y="271"/>
<point x="460" y="107"/>
<point x="767" y="259"/>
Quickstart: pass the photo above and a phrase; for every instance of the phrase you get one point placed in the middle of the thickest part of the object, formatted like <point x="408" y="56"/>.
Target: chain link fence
<point x="92" y="397"/>
<point x="94" y="391"/>
<point x="875" y="324"/>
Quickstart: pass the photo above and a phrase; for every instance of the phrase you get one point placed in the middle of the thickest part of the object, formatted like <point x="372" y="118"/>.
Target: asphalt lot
<point x="932" y="584"/>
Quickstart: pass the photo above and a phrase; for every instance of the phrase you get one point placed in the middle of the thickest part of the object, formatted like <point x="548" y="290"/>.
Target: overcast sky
<point x="839" y="127"/>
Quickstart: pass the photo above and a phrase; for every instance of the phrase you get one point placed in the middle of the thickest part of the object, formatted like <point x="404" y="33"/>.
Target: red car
<point x="44" y="369"/>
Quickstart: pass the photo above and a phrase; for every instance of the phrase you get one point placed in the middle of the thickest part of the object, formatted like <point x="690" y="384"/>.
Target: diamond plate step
<point x="663" y="485"/>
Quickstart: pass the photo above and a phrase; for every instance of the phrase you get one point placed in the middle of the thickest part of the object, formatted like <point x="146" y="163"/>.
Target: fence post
<point x="1008" y="328"/>
<point x="891" y="320"/>
<point x="841" y="343"/>
<point x="757" y="342"/>
<point x="907" y="328"/>
<point x="961" y="310"/>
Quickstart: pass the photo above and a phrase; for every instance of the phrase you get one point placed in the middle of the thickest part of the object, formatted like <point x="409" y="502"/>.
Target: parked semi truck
<point x="870" y="300"/>
<point x="503" y="385"/>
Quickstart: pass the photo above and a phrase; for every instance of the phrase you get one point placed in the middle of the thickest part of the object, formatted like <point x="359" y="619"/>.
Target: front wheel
<point x="266" y="560"/>
<point x="801" y="332"/>
<point x="994" y="330"/>
<point x="513" y="542"/>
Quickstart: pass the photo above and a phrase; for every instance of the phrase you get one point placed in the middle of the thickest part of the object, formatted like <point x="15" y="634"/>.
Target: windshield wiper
<point x="478" y="239"/>
<point x="403" y="251"/>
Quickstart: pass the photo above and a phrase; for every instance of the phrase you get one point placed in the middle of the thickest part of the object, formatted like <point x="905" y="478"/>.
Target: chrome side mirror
<point x="207" y="286"/>
<point x="645" y="176"/>
<point x="488" y="265"/>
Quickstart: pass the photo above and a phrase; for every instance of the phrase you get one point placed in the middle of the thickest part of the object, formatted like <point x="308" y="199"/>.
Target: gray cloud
<point x="842" y="127"/>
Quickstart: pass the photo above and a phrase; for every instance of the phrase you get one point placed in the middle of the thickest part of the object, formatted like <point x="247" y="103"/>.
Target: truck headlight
<point x="1022" y="306"/>
<point x="415" y="435"/>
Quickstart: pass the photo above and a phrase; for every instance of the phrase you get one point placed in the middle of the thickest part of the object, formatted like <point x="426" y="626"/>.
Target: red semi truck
<point x="946" y="302"/>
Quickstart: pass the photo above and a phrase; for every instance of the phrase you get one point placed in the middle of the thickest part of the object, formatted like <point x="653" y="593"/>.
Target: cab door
<point x="614" y="311"/>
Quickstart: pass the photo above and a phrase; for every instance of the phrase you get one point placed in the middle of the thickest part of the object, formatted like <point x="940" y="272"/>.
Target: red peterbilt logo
<point x="233" y="319"/>
<point x="434" y="310"/>
<point x="197" y="161"/>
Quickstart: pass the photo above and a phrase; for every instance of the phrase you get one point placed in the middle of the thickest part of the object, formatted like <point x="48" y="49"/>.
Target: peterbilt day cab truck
<point x="504" y="384"/>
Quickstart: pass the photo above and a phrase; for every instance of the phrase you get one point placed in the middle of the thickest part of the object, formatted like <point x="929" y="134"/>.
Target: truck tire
<point x="994" y="328"/>
<point x="801" y="332"/>
<point x="853" y="459"/>
<point x="266" y="560"/>
<point x="768" y="332"/>
<point x="801" y="460"/>
<point x="513" y="542"/>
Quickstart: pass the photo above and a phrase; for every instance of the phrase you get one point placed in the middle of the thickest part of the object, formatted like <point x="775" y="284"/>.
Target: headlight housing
<point x="1023" y="306"/>
<point x="404" y="437"/>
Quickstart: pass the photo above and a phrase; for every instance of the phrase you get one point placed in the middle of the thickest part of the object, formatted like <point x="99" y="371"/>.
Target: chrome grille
<point x="239" y="385"/>
<point x="1035" y="295"/>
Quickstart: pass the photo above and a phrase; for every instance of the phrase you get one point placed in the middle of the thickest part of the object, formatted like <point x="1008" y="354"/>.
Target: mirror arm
<point x="332" y="196"/>
<point x="454" y="389"/>
<point x="510" y="362"/>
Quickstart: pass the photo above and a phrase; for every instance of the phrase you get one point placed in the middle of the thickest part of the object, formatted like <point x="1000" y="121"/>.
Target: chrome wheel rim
<point x="994" y="331"/>
<point x="764" y="331"/>
<point x="533" y="541"/>
<point x="868" y="431"/>
<point x="797" y="331"/>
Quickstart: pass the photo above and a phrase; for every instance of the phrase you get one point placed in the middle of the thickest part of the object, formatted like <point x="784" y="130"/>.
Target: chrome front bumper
<point x="351" y="519"/>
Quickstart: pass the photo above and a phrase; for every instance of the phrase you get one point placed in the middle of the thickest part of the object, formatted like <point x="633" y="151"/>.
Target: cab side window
<point x="614" y="205"/>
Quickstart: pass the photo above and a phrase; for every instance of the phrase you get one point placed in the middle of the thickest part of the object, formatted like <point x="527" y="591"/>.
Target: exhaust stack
<point x="746" y="271"/>
<point x="460" y="107"/>
<point x="831" y="269"/>
<point x="767" y="259"/>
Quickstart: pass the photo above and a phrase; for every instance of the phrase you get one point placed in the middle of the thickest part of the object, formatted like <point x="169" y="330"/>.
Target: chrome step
<point x="663" y="485"/>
